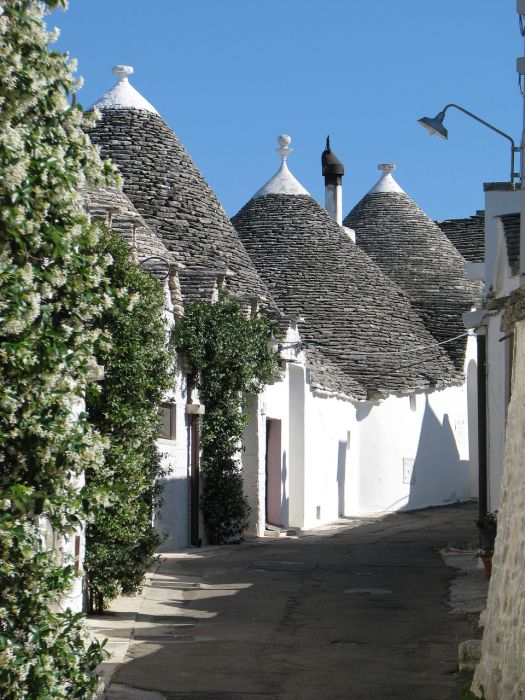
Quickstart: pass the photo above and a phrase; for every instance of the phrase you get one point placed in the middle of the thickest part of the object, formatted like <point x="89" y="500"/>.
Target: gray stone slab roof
<point x="172" y="196"/>
<point x="511" y="229"/>
<point x="355" y="319"/>
<point x="468" y="235"/>
<point x="414" y="252"/>
<point x="197" y="285"/>
<point x="110" y="204"/>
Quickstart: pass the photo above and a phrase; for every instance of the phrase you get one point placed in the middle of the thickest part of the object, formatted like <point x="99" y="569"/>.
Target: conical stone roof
<point x="167" y="189"/>
<point x="414" y="252"/>
<point x="112" y="205"/>
<point x="361" y="334"/>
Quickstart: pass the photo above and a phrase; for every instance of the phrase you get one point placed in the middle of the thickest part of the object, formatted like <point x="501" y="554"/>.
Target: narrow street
<point x="348" y="612"/>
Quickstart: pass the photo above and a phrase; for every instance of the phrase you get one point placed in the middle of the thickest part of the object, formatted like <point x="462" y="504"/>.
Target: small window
<point x="167" y="415"/>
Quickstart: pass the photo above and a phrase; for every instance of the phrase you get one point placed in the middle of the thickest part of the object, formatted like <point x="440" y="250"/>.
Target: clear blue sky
<point x="229" y="75"/>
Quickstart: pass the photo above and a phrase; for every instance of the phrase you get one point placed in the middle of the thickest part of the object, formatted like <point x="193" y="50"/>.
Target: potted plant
<point x="487" y="526"/>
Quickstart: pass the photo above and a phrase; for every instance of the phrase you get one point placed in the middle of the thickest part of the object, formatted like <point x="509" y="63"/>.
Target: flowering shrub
<point x="232" y="357"/>
<point x="53" y="288"/>
<point x="138" y="370"/>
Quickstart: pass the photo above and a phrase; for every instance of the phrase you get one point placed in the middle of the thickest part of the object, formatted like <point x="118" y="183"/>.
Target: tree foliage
<point x="232" y="358"/>
<point x="138" y="370"/>
<point x="53" y="288"/>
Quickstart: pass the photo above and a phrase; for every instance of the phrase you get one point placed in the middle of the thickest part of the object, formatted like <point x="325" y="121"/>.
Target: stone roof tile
<point x="111" y="204"/>
<point x="172" y="196"/>
<point x="357" y="323"/>
<point x="468" y="235"/>
<point x="414" y="252"/>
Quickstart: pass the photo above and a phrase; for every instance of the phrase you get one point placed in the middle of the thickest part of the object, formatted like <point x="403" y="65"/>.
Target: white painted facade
<point x="414" y="450"/>
<point x="499" y="283"/>
<point x="172" y="520"/>
<point x="344" y="458"/>
<point x="173" y="517"/>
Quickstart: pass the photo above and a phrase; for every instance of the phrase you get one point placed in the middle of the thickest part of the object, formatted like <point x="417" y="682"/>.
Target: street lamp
<point x="434" y="125"/>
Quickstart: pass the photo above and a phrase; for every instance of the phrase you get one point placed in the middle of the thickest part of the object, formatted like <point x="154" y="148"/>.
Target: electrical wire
<point x="368" y="353"/>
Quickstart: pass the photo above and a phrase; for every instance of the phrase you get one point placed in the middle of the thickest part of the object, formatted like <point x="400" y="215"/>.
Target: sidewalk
<point x="136" y="619"/>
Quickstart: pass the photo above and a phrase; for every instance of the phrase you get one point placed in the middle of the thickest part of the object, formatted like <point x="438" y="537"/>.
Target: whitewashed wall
<point x="272" y="403"/>
<point x="414" y="451"/>
<point x="343" y="458"/>
<point x="173" y="517"/>
<point x="499" y="283"/>
<point x="314" y="453"/>
<point x="331" y="463"/>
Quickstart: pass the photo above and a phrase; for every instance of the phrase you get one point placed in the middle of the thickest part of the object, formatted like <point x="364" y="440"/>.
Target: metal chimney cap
<point x="330" y="162"/>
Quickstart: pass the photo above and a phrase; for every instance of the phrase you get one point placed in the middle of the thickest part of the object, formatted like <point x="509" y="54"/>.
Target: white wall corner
<point x="474" y="318"/>
<point x="350" y="233"/>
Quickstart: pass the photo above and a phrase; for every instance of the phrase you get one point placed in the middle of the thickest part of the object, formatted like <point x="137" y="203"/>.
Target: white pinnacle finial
<point x="283" y="182"/>
<point x="284" y="149"/>
<point x="123" y="95"/>
<point x="387" y="167"/>
<point x="386" y="182"/>
<point x="122" y="72"/>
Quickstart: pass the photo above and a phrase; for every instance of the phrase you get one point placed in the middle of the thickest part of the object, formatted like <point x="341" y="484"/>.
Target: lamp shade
<point x="435" y="125"/>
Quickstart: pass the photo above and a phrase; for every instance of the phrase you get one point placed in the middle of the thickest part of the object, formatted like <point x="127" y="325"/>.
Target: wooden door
<point x="273" y="472"/>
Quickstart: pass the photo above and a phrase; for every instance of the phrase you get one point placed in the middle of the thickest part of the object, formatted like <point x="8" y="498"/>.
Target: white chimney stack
<point x="333" y="171"/>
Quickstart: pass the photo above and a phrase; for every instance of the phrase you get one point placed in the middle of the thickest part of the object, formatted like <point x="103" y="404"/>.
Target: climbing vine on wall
<point x="231" y="356"/>
<point x="138" y="370"/>
<point x="53" y="289"/>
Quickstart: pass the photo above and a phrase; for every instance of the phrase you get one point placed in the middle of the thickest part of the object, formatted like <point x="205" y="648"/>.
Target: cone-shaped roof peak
<point x="283" y="182"/>
<point x="413" y="251"/>
<point x="123" y="95"/>
<point x="357" y="323"/>
<point x="386" y="182"/>
<point x="172" y="196"/>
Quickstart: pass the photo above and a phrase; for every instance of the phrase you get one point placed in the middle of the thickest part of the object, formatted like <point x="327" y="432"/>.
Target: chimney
<point x="333" y="171"/>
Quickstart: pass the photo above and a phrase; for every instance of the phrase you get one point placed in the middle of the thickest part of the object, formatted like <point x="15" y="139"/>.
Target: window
<point x="168" y="415"/>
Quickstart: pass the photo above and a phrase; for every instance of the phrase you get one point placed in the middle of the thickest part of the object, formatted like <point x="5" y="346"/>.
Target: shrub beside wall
<point x="138" y="370"/>
<point x="53" y="289"/>
<point x="231" y="357"/>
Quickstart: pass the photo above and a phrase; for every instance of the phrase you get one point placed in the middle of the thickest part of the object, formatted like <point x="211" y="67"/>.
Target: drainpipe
<point x="333" y="171"/>
<point x="482" y="424"/>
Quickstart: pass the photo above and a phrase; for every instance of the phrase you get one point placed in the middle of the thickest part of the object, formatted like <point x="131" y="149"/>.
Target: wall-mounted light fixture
<point x="435" y="126"/>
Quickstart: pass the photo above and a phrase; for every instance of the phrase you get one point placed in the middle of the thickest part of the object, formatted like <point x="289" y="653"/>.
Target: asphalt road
<point x="349" y="613"/>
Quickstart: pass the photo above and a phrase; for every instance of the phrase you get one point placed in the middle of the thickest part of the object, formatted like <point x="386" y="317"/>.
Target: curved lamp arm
<point x="482" y="121"/>
<point x="435" y="126"/>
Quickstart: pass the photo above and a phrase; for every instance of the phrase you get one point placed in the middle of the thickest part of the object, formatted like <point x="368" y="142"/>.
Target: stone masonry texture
<point x="170" y="193"/>
<point x="501" y="672"/>
<point x="358" y="324"/>
<point x="413" y="251"/>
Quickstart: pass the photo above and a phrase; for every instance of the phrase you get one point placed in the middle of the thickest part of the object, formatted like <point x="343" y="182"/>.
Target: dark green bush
<point x="138" y="370"/>
<point x="231" y="356"/>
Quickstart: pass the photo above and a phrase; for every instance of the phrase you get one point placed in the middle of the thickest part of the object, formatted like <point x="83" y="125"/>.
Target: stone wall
<point x="501" y="672"/>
